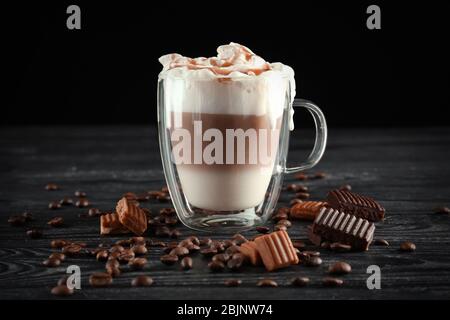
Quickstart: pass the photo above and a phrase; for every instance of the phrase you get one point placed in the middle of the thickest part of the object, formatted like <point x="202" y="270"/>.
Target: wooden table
<point x="407" y="170"/>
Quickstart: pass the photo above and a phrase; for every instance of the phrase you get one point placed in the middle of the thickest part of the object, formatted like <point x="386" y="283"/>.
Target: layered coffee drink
<point x="224" y="115"/>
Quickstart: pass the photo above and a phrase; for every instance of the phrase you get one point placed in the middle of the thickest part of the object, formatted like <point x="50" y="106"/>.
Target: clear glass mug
<point x="224" y="146"/>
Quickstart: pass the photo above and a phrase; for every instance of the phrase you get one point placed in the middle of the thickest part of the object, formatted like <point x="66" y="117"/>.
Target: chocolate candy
<point x="276" y="250"/>
<point x="131" y="216"/>
<point x="250" y="251"/>
<point x="110" y="224"/>
<point x="336" y="226"/>
<point x="307" y="210"/>
<point x="355" y="204"/>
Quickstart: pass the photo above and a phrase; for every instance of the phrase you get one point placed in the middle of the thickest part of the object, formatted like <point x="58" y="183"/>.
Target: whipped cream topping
<point x="244" y="83"/>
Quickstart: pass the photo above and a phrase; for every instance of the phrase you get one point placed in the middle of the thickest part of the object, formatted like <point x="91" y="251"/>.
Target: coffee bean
<point x="100" y="279"/>
<point x="205" y="242"/>
<point x="291" y="187"/>
<point x="94" y="212"/>
<point x="123" y="242"/>
<point x="62" y="291"/>
<point x="345" y="187"/>
<point x="171" y="221"/>
<point x="192" y="248"/>
<point x="160" y="244"/>
<point x="222" y="257"/>
<point x="407" y="246"/>
<point x="262" y="229"/>
<point x="216" y="266"/>
<point x="302" y="195"/>
<point x="130" y="196"/>
<point x="340" y="247"/>
<point x="113" y="271"/>
<point x="301" y="176"/>
<point x="233" y="282"/>
<point x="300" y="281"/>
<point x="51" y="262"/>
<point x="34" y="233"/>
<point x="280" y="227"/>
<point x="137" y="240"/>
<point x="228" y="243"/>
<point x="54" y="205"/>
<point x="16" y="221"/>
<point x="80" y="194"/>
<point x="163" y="197"/>
<point x="179" y="251"/>
<point x="442" y="210"/>
<point x="284" y="222"/>
<point x="125" y="256"/>
<point x="82" y="203"/>
<point x="142" y="281"/>
<point x="137" y="263"/>
<point x="56" y="222"/>
<point x="298" y="244"/>
<point x="319" y="175"/>
<point x="116" y="248"/>
<point x="175" y="233"/>
<point x="153" y="193"/>
<point x="381" y="242"/>
<point x="294" y="202"/>
<point x="169" y="259"/>
<point x="311" y="253"/>
<point x="267" y="283"/>
<point x="71" y="249"/>
<point x="57" y="255"/>
<point x="66" y="201"/>
<point x="219" y="246"/>
<point x="167" y="212"/>
<point x="332" y="282"/>
<point x="113" y="255"/>
<point x="51" y="187"/>
<point x="186" y="263"/>
<point x="208" y="252"/>
<point x="28" y="216"/>
<point x="312" y="261"/>
<point x="340" y="267"/>
<point x="281" y="213"/>
<point x="162" y="231"/>
<point x="63" y="281"/>
<point x="139" y="249"/>
<point x="170" y="247"/>
<point x="232" y="250"/>
<point x="102" y="255"/>
<point x="112" y="263"/>
<point x="236" y="262"/>
<point x="58" y="243"/>
<point x="142" y="197"/>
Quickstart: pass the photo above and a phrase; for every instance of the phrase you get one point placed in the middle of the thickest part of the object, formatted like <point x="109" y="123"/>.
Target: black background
<point x="107" y="71"/>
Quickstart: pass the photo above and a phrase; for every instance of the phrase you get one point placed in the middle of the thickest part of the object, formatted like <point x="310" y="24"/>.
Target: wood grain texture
<point x="405" y="169"/>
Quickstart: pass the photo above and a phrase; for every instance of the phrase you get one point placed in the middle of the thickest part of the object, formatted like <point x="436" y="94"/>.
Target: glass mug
<point x="224" y="151"/>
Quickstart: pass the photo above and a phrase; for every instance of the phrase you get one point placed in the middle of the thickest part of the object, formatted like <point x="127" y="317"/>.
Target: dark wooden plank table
<point x="405" y="169"/>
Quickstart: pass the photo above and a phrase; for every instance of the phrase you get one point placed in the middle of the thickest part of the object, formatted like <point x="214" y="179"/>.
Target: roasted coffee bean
<point x="137" y="240"/>
<point x="82" y="203"/>
<point x="284" y="222"/>
<point x="236" y="262"/>
<point x="185" y="242"/>
<point x="167" y="212"/>
<point x="186" y="263"/>
<point x="262" y="229"/>
<point x="300" y="281"/>
<point x="137" y="263"/>
<point x="442" y="210"/>
<point x="169" y="259"/>
<point x="16" y="221"/>
<point x="153" y="193"/>
<point x="233" y="249"/>
<point x="51" y="187"/>
<point x="100" y="279"/>
<point x="56" y="222"/>
<point x="192" y="248"/>
<point x="298" y="244"/>
<point x="281" y="213"/>
<point x="157" y="244"/>
<point x="54" y="205"/>
<point x="171" y="221"/>
<point x="216" y="266"/>
<point x="312" y="261"/>
<point x="116" y="248"/>
<point x="142" y="281"/>
<point x="232" y="282"/>
<point x="143" y="197"/>
<point x="239" y="239"/>
<point x="179" y="251"/>
<point x="164" y="189"/>
<point x="325" y="245"/>
<point x="267" y="283"/>
<point x="51" y="262"/>
<point x="34" y="233"/>
<point x="123" y="242"/>
<point x="208" y="252"/>
<point x="102" y="255"/>
<point x="139" y="249"/>
<point x="228" y="243"/>
<point x="113" y="271"/>
<point x="28" y="216"/>
<point x="294" y="202"/>
<point x="222" y="257"/>
<point x="407" y="246"/>
<point x="319" y="175"/>
<point x="345" y="187"/>
<point x="381" y="242"/>
<point x="66" y="201"/>
<point x="62" y="291"/>
<point x="112" y="263"/>
<point x="113" y="255"/>
<point x="57" y="255"/>
<point x="71" y="249"/>
<point x="163" y="197"/>
<point x="58" y="243"/>
<point x="169" y="247"/>
<point x="340" y="247"/>
<point x="205" y="242"/>
<point x="280" y="227"/>
<point x="332" y="282"/>
<point x="162" y="231"/>
<point x="218" y="245"/>
<point x="80" y="194"/>
<point x="340" y="267"/>
<point x="311" y="253"/>
<point x="302" y="195"/>
<point x="130" y="196"/>
<point x="291" y="187"/>
<point x="175" y="233"/>
<point x="63" y="281"/>
<point x="126" y="256"/>
<point x="94" y="212"/>
<point x="301" y="176"/>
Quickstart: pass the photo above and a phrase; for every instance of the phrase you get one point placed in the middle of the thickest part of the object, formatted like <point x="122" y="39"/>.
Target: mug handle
<point x="321" y="136"/>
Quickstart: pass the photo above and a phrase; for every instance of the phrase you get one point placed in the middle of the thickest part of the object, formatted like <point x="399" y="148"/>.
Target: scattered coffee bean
<point x="171" y="221"/>
<point x="16" y="221"/>
<point x="157" y="244"/>
<point x="112" y="263"/>
<point x="126" y="256"/>
<point x="71" y="249"/>
<point x="58" y="243"/>
<point x="193" y="248"/>
<point x="284" y="222"/>
<point x="163" y="197"/>
<point x="300" y="281"/>
<point x="186" y="263"/>
<point x="56" y="222"/>
<point x="301" y="176"/>
<point x="62" y="291"/>
<point x="51" y="187"/>
<point x="219" y="246"/>
<point x="310" y="253"/>
<point x="80" y="194"/>
<point x="302" y="195"/>
<point x="442" y="210"/>
<point x="165" y="189"/>
<point x="267" y="283"/>
<point x="28" y="216"/>
<point x="228" y="243"/>
<point x="179" y="251"/>
<point x="142" y="281"/>
<point x="298" y="244"/>
<point x="291" y="187"/>
<point x="66" y="201"/>
<point x="175" y="233"/>
<point x="167" y="212"/>
<point x="162" y="231"/>
<point x="94" y="212"/>
<point x="381" y="242"/>
<point x="216" y="266"/>
<point x="142" y="197"/>
<point x="222" y="257"/>
<point x="100" y="279"/>
<point x="332" y="282"/>
<point x="130" y="196"/>
<point x="262" y="229"/>
<point x="407" y="246"/>
<point x="319" y="175"/>
<point x="51" y="262"/>
<point x="340" y="267"/>
<point x="113" y="271"/>
<point x="194" y="240"/>
<point x="280" y="227"/>
<point x="57" y="255"/>
<point x="233" y="282"/>
<point x="294" y="202"/>
<point x="208" y="252"/>
<point x="205" y="242"/>
<point x="169" y="259"/>
<point x="137" y="263"/>
<point x="236" y="262"/>
<point x="312" y="261"/>
<point x="34" y="233"/>
<point x="123" y="242"/>
<point x="82" y="203"/>
<point x="113" y="255"/>
<point x="346" y="187"/>
<point x="139" y="249"/>
<point x="232" y="250"/>
<point x="63" y="281"/>
<point x="340" y="247"/>
<point x="116" y="248"/>
<point x="54" y="205"/>
<point x="102" y="255"/>
<point x="137" y="240"/>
